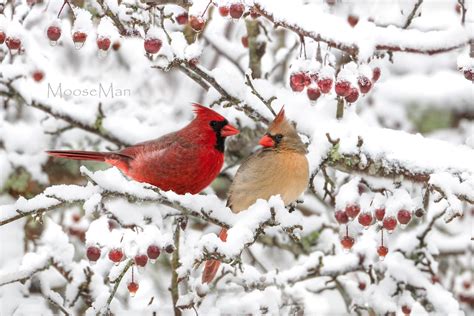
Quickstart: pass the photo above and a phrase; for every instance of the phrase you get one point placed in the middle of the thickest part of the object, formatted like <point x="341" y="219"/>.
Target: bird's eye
<point x="213" y="124"/>
<point x="278" y="137"/>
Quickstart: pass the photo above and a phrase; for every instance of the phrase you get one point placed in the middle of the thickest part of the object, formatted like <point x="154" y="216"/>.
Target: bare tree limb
<point x="412" y="14"/>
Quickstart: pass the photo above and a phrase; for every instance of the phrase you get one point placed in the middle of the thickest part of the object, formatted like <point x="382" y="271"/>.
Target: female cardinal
<point x="280" y="167"/>
<point x="185" y="161"/>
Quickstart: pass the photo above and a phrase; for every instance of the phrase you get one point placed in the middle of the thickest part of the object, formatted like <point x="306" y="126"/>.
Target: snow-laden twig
<point x="393" y="40"/>
<point x="97" y="129"/>
<point x="316" y="265"/>
<point x="116" y="283"/>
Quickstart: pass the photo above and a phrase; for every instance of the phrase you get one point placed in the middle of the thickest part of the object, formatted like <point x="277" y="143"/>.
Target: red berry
<point x="103" y="43"/>
<point x="347" y="242"/>
<point x="352" y="210"/>
<point x="115" y="255"/>
<point x="364" y="84"/>
<point x="116" y="46"/>
<point x="376" y="74"/>
<point x="365" y="219"/>
<point x="342" y="88"/>
<point x="153" y="252"/>
<point x="313" y="93"/>
<point x="353" y="95"/>
<point x="76" y="217"/>
<point x="254" y="14"/>
<point x="404" y="216"/>
<point x="93" y="253"/>
<point x="79" y="37"/>
<point x="458" y="8"/>
<point x="112" y="224"/>
<point x="224" y="11"/>
<point x="38" y="75"/>
<point x="197" y="23"/>
<point x="152" y="45"/>
<point x="352" y="20"/>
<point x="435" y="279"/>
<point x="389" y="223"/>
<point x="169" y="249"/>
<point x="193" y="62"/>
<point x="380" y="214"/>
<point x="469" y="74"/>
<point x="382" y="251"/>
<point x="331" y="2"/>
<point x="13" y="43"/>
<point x="298" y="81"/>
<point x="466" y="285"/>
<point x="325" y="85"/>
<point x="132" y="288"/>
<point x="362" y="286"/>
<point x="341" y="217"/>
<point x="2" y="37"/>
<point x="245" y="41"/>
<point x="406" y="310"/>
<point x="236" y="10"/>
<point x="141" y="260"/>
<point x="182" y="19"/>
<point x="419" y="213"/>
<point x="53" y="33"/>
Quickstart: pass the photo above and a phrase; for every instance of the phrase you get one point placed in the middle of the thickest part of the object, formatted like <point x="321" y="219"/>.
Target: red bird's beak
<point x="266" y="141"/>
<point x="229" y="130"/>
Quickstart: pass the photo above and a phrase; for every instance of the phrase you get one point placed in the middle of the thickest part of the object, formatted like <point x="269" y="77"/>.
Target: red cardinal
<point x="185" y="161"/>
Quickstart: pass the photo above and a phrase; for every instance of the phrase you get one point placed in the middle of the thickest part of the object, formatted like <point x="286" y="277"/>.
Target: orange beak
<point x="267" y="141"/>
<point x="229" y="130"/>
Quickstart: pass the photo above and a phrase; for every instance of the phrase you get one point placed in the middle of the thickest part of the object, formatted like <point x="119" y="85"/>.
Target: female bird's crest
<point x="282" y="135"/>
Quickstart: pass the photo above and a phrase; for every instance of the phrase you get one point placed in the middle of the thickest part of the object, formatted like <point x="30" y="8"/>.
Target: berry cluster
<point x="321" y="81"/>
<point x="79" y="38"/>
<point x="116" y="255"/>
<point x="366" y="219"/>
<point x="13" y="43"/>
<point x="235" y="10"/>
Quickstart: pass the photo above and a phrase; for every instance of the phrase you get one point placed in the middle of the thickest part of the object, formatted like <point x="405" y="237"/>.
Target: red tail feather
<point x="118" y="160"/>
<point x="212" y="266"/>
<point x="79" y="155"/>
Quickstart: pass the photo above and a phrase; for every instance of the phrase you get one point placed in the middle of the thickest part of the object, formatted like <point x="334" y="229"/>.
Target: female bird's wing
<point x="268" y="173"/>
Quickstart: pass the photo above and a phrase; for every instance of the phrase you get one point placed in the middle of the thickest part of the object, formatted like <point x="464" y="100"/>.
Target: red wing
<point x="179" y="167"/>
<point x="162" y="142"/>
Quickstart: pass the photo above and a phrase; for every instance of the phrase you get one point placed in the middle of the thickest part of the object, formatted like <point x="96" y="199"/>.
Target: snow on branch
<point x="64" y="115"/>
<point x="111" y="184"/>
<point x="310" y="22"/>
<point x="316" y="265"/>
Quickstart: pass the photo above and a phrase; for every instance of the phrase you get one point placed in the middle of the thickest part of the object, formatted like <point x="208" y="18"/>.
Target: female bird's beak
<point x="229" y="130"/>
<point x="266" y="141"/>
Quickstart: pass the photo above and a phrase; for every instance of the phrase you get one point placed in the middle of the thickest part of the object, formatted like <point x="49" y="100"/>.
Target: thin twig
<point x="268" y="103"/>
<point x="412" y="14"/>
<point x="117" y="282"/>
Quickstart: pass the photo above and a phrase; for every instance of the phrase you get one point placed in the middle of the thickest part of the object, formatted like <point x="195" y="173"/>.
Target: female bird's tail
<point x="211" y="267"/>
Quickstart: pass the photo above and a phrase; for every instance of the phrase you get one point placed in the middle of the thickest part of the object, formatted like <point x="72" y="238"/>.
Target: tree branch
<point x="351" y="48"/>
<point x="412" y="14"/>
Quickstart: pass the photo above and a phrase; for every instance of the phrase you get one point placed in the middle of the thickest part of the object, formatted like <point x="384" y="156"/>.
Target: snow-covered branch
<point x="324" y="27"/>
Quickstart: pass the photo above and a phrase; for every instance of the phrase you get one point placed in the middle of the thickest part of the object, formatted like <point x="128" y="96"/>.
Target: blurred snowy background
<point x="406" y="144"/>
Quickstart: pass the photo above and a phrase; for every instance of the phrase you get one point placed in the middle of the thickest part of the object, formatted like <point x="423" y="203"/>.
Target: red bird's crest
<point x="206" y="113"/>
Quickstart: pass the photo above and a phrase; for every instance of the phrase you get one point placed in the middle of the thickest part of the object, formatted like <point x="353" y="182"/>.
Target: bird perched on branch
<point x="185" y="161"/>
<point x="280" y="167"/>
